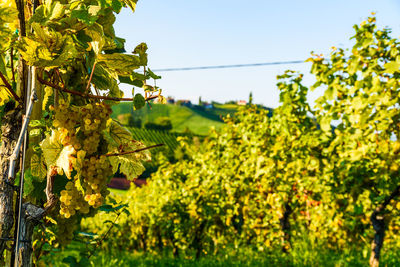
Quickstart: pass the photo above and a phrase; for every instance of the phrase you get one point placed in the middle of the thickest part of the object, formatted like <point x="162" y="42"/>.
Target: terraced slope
<point x="196" y="119"/>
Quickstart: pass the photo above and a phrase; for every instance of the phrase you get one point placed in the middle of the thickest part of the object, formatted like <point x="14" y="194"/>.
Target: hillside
<point x="195" y="118"/>
<point x="153" y="137"/>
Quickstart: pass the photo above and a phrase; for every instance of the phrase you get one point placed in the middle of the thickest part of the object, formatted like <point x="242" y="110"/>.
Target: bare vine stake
<point x="14" y="156"/>
<point x="17" y="148"/>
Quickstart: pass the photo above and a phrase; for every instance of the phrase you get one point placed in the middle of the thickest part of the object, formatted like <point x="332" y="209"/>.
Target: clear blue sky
<point x="188" y="33"/>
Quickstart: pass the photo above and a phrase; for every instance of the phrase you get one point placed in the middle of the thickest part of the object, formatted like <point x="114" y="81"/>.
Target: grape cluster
<point x="82" y="127"/>
<point x="71" y="201"/>
<point x="97" y="170"/>
<point x="65" y="230"/>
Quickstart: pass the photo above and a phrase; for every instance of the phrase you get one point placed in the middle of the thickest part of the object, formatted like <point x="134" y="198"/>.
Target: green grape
<point x="81" y="127"/>
<point x="65" y="229"/>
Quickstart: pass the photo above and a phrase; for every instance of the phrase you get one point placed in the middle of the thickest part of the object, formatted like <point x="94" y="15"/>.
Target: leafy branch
<point x="63" y="89"/>
<point x="99" y="242"/>
<point x="9" y="87"/>
<point x="134" y="151"/>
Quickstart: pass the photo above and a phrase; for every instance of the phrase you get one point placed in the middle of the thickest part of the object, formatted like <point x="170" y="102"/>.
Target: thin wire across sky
<point x="232" y="66"/>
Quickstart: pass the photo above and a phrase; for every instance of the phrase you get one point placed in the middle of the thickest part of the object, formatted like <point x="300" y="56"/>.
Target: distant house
<point x="207" y="105"/>
<point x="123" y="184"/>
<point x="241" y="102"/>
<point x="170" y="100"/>
<point x="184" y="102"/>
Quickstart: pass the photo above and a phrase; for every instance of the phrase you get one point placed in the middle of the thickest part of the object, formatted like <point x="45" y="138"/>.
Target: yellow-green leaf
<point x="51" y="147"/>
<point x="55" y="154"/>
<point x="131" y="4"/>
<point x="38" y="168"/>
<point x="4" y="95"/>
<point x="392" y="67"/>
<point x="64" y="160"/>
<point x="120" y="140"/>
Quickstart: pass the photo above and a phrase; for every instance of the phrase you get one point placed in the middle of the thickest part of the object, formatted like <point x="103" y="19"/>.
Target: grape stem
<point x="51" y="198"/>
<point x="59" y="76"/>
<point x="90" y="78"/>
<point x="134" y="151"/>
<point x="105" y="235"/>
<point x="63" y="89"/>
<point x="12" y="64"/>
<point x="9" y="87"/>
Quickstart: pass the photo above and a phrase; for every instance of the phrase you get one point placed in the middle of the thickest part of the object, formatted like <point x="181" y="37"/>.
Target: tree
<point x="65" y="56"/>
<point x="128" y="119"/>
<point x="160" y="124"/>
<point x="251" y="98"/>
<point x="361" y="97"/>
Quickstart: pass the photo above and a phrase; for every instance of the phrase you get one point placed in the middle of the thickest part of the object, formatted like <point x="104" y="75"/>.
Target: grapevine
<point x="74" y="64"/>
<point x="328" y="175"/>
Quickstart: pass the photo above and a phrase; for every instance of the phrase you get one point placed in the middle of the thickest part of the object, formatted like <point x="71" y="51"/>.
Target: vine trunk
<point x="10" y="129"/>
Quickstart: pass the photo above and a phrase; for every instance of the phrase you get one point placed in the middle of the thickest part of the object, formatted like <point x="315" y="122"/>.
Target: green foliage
<point x="218" y="197"/>
<point x="161" y="124"/>
<point x="129" y="120"/>
<point x="170" y="152"/>
<point x="229" y="257"/>
<point x="120" y="141"/>
<point x="298" y="178"/>
<point x="362" y="98"/>
<point x="79" y="63"/>
<point x="138" y="102"/>
<point x="7" y="14"/>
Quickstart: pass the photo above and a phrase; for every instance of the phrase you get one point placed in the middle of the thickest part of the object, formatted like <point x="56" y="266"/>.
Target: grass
<point x="231" y="257"/>
<point x="117" y="192"/>
<point x="196" y="118"/>
<point x="303" y="253"/>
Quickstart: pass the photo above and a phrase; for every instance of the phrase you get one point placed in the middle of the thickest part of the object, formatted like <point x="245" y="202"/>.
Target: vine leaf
<point x="326" y="124"/>
<point x="51" y="147"/>
<point x="95" y="32"/>
<point x="104" y="81"/>
<point x="120" y="140"/>
<point x="47" y="48"/>
<point x="8" y="16"/>
<point x="86" y="14"/>
<point x="38" y="167"/>
<point x="392" y="67"/>
<point x="33" y="187"/>
<point x="55" y="154"/>
<point x="121" y="64"/>
<point x="129" y="164"/>
<point x="138" y="102"/>
<point x="64" y="160"/>
<point x="50" y="12"/>
<point x="117" y="135"/>
<point x="131" y="4"/>
<point x="4" y="95"/>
